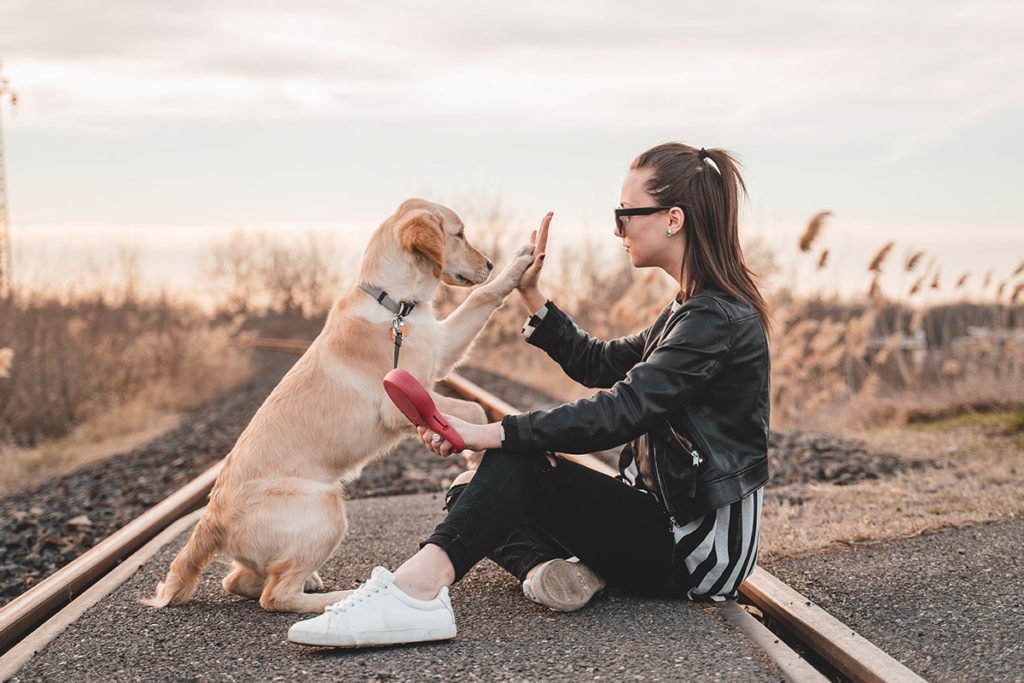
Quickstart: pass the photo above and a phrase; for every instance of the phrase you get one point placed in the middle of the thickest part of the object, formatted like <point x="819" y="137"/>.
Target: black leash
<point x="400" y="308"/>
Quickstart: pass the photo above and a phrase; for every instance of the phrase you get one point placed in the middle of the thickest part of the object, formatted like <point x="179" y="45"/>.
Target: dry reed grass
<point x="813" y="229"/>
<point x="876" y="263"/>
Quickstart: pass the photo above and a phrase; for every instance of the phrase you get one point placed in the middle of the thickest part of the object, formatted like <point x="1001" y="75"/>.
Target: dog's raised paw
<point x="514" y="269"/>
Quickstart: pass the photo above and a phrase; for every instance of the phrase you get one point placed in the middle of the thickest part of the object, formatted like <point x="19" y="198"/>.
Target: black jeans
<point x="519" y="510"/>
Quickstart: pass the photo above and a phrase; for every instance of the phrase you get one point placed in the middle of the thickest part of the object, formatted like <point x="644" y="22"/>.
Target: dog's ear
<point x="421" y="232"/>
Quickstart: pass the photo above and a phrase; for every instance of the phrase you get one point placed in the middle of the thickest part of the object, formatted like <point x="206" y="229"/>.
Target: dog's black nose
<point x="490" y="266"/>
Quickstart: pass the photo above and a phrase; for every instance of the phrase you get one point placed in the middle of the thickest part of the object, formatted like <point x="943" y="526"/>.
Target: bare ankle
<point x="424" y="574"/>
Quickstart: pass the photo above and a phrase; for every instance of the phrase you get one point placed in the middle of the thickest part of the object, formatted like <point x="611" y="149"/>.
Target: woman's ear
<point x="676" y="219"/>
<point x="421" y="232"/>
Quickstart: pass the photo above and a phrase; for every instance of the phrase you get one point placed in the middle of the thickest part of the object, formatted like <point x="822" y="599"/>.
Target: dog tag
<point x="415" y="403"/>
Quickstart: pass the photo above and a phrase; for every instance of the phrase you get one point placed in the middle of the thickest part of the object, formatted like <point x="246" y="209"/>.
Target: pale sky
<point x="164" y="125"/>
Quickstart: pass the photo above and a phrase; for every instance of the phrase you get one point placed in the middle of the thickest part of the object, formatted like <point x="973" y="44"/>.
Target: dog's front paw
<point x="509" y="276"/>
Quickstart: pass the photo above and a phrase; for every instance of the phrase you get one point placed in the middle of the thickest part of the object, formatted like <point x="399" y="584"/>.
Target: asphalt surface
<point x="502" y="635"/>
<point x="949" y="605"/>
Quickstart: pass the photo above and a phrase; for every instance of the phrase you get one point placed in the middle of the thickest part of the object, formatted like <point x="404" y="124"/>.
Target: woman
<point x="688" y="396"/>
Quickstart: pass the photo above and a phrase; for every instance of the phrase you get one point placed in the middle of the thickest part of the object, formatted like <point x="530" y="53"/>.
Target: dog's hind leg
<point x="244" y="581"/>
<point x="283" y="592"/>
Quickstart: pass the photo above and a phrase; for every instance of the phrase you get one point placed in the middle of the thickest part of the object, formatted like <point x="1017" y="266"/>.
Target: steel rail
<point x="29" y="609"/>
<point x="26" y="648"/>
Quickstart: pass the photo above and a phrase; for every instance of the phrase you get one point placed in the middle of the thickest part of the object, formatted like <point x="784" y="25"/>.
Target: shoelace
<point x="365" y="591"/>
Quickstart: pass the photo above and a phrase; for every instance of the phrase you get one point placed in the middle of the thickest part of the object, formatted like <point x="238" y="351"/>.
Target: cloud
<point x="902" y="74"/>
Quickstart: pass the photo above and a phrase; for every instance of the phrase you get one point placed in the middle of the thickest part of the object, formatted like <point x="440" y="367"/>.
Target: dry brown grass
<point x="255" y="272"/>
<point x="980" y="480"/>
<point x="91" y="371"/>
<point x="21" y="467"/>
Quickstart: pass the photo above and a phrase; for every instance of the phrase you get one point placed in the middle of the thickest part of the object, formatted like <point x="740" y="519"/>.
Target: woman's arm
<point x="591" y="362"/>
<point x="689" y="354"/>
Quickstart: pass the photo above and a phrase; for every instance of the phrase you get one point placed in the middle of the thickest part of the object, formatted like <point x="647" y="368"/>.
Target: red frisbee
<point x="415" y="403"/>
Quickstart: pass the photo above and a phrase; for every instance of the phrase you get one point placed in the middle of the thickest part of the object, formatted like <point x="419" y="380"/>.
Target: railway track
<point x="30" y="621"/>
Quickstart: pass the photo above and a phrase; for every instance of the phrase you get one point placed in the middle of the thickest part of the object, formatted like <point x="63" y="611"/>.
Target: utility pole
<point x="5" y="220"/>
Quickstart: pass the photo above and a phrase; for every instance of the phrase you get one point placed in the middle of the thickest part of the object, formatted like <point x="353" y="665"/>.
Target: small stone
<point x="80" y="522"/>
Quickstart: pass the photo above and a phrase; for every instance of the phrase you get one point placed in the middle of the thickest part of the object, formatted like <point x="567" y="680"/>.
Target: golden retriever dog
<point x="276" y="509"/>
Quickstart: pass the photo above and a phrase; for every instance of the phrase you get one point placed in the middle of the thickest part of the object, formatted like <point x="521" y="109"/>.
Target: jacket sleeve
<point x="695" y="343"/>
<point x="591" y="362"/>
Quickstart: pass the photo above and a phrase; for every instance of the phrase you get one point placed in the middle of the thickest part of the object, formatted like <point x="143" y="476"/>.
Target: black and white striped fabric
<point x="721" y="547"/>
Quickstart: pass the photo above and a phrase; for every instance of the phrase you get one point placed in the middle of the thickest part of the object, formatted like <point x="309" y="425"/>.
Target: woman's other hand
<point x="477" y="437"/>
<point x="529" y="283"/>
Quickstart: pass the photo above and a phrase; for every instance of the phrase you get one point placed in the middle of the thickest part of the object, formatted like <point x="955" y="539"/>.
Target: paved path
<point x="502" y="635"/>
<point x="949" y="605"/>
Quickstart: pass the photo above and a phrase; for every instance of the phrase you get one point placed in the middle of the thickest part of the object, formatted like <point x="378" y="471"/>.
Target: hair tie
<point x="703" y="153"/>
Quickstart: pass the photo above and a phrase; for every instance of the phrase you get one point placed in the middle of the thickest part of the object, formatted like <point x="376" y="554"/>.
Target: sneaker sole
<point x="371" y="638"/>
<point x="565" y="586"/>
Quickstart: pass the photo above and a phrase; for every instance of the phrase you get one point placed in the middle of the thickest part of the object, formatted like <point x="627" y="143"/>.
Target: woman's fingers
<point x="424" y="434"/>
<point x="539" y="238"/>
<point x="541" y="241"/>
<point x="434" y="442"/>
<point x="431" y="440"/>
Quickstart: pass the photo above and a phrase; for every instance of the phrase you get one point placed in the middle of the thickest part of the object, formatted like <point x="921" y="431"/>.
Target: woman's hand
<point x="529" y="283"/>
<point x="477" y="437"/>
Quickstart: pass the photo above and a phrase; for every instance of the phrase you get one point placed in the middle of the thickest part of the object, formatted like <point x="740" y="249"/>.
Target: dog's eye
<point x="461" y="234"/>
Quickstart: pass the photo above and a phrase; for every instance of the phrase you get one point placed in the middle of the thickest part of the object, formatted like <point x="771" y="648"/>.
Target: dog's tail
<point x="177" y="589"/>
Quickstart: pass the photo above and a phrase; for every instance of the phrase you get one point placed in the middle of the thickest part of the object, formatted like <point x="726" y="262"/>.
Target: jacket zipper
<point x="654" y="453"/>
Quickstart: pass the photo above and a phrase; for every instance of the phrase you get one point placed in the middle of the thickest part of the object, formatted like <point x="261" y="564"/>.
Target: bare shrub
<point x="254" y="273"/>
<point x="76" y="356"/>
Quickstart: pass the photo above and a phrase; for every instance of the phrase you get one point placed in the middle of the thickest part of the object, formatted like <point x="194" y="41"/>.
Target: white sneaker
<point x="378" y="613"/>
<point x="563" y="585"/>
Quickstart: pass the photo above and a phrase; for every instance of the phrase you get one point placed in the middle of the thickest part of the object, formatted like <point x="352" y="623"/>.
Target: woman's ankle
<point x="424" y="574"/>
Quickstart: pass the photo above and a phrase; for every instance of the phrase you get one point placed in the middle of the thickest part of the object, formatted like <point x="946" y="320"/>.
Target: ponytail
<point x="708" y="186"/>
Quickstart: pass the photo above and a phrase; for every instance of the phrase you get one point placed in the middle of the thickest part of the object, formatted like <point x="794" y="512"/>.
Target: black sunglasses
<point x="620" y="214"/>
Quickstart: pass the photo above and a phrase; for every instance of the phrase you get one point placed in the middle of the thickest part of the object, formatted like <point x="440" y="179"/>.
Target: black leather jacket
<point x="688" y="395"/>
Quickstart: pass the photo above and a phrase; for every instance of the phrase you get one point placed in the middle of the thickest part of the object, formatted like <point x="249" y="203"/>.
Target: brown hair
<point x="709" y="196"/>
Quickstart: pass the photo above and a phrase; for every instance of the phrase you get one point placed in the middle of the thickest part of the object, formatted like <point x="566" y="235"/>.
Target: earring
<point x="669" y="232"/>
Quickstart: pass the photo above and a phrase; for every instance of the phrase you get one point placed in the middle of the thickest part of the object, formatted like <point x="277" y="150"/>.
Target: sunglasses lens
<point x="620" y="225"/>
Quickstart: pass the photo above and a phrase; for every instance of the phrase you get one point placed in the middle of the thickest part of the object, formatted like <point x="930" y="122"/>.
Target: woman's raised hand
<point x="529" y="283"/>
